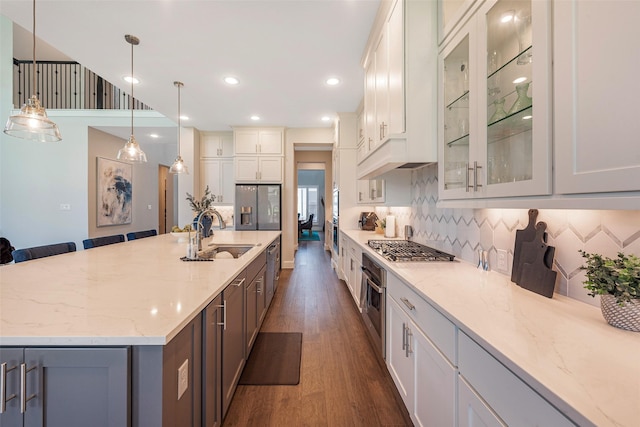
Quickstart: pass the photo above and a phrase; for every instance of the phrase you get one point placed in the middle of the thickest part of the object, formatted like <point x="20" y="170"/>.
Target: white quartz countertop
<point x="131" y="293"/>
<point x="561" y="347"/>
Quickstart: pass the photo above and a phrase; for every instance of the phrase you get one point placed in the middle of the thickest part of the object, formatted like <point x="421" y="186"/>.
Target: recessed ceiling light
<point x="255" y="118"/>
<point x="332" y="81"/>
<point x="184" y="117"/>
<point x="154" y="135"/>
<point x="230" y="80"/>
<point x="326" y="118"/>
<point x="519" y="80"/>
<point x="130" y="79"/>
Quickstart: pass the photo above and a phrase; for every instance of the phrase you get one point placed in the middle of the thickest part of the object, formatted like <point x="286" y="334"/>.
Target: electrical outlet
<point x="65" y="207"/>
<point x="183" y="378"/>
<point x="149" y="207"/>
<point x="503" y="264"/>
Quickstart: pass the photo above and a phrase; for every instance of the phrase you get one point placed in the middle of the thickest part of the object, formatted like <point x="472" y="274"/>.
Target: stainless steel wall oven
<point x="374" y="301"/>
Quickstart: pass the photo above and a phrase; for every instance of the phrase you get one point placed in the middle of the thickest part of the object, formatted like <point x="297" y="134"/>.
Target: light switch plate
<point x="183" y="378"/>
<point x="503" y="264"/>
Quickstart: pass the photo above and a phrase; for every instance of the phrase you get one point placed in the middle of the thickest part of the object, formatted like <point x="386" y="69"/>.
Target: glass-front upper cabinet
<point x="456" y="120"/>
<point x="507" y="118"/>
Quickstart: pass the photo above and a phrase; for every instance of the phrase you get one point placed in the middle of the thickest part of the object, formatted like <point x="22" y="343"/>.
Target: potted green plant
<point x="199" y="207"/>
<point x="617" y="281"/>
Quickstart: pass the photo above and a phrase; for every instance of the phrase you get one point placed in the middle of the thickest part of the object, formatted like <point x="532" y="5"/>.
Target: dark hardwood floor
<point x="342" y="383"/>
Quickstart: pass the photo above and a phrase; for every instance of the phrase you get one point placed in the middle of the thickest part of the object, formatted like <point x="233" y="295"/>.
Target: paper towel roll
<point x="390" y="230"/>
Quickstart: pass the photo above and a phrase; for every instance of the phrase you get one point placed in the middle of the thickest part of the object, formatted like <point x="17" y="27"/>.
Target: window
<point x="308" y="202"/>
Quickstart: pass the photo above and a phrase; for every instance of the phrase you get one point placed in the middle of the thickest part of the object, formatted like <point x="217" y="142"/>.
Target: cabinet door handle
<point x="467" y="185"/>
<point x="224" y="315"/>
<point x="404" y="336"/>
<point x="259" y="288"/>
<point x="238" y="282"/>
<point x="220" y="197"/>
<point x="475" y="176"/>
<point x="3" y="387"/>
<point x="23" y="387"/>
<point x="409" y="350"/>
<point x="408" y="303"/>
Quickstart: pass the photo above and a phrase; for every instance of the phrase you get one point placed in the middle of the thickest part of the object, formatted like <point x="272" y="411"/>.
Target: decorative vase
<point x="623" y="317"/>
<point x="523" y="101"/>
<point x="499" y="113"/>
<point x="205" y="224"/>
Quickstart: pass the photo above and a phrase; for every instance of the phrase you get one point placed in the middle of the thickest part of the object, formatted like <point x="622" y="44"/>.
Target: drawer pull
<point x="3" y="387"/>
<point x="23" y="387"/>
<point x="408" y="303"/>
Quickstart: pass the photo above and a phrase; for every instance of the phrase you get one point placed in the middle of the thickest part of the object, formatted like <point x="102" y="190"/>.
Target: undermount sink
<point x="222" y="251"/>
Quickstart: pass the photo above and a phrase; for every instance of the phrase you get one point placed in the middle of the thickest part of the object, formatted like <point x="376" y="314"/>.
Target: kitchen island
<point x="135" y="303"/>
<point x="585" y="371"/>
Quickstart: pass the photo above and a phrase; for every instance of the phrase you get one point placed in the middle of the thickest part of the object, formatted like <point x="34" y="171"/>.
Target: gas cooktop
<point x="405" y="250"/>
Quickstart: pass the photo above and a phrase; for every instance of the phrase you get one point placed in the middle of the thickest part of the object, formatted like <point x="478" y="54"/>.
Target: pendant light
<point x="32" y="121"/>
<point x="131" y="150"/>
<point x="178" y="166"/>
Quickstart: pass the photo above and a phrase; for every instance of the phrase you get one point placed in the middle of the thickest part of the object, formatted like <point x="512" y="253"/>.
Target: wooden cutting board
<point x="537" y="276"/>
<point x="529" y="249"/>
<point x="525" y="235"/>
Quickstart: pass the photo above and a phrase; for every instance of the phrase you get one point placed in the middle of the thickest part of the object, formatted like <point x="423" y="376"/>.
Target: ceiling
<point x="281" y="51"/>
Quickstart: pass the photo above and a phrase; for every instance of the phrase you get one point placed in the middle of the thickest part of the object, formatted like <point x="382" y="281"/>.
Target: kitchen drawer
<point x="511" y="398"/>
<point x="256" y="265"/>
<point x="438" y="328"/>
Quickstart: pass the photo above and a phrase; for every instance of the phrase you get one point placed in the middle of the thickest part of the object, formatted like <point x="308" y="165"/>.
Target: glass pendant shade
<point x="32" y="123"/>
<point x="178" y="166"/>
<point x="132" y="152"/>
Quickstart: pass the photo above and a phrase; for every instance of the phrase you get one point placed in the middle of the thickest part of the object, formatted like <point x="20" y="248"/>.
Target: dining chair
<point x="102" y="241"/>
<point x="27" y="254"/>
<point x="141" y="234"/>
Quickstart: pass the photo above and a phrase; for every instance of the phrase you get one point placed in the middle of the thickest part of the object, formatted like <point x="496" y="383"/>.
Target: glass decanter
<point x="499" y="112"/>
<point x="523" y="101"/>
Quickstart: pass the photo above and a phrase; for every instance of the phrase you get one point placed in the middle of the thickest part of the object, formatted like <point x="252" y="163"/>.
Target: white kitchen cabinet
<point x="492" y="143"/>
<point x="344" y="258"/>
<point x="450" y="12"/>
<point x="216" y="144"/>
<point x="370" y="191"/>
<point x="425" y="379"/>
<point x="472" y="410"/>
<point x="400" y="123"/>
<point x="508" y="396"/>
<point x="390" y="189"/>
<point x="420" y="355"/>
<point x="354" y="272"/>
<point x="218" y="174"/>
<point x="267" y="169"/>
<point x="596" y="89"/>
<point x="264" y="141"/>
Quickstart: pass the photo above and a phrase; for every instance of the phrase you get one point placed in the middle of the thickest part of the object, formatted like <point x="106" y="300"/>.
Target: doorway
<point x="166" y="211"/>
<point x="310" y="196"/>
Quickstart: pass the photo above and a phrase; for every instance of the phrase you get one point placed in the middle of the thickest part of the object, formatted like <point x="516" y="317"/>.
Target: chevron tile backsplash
<point x="464" y="231"/>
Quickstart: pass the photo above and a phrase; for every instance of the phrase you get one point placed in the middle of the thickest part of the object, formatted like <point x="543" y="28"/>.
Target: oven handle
<point x="370" y="282"/>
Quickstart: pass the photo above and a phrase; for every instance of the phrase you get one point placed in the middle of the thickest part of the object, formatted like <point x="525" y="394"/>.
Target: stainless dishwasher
<point x="273" y="269"/>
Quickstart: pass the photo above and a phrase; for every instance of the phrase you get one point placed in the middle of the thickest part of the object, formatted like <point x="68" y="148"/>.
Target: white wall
<point x="37" y="178"/>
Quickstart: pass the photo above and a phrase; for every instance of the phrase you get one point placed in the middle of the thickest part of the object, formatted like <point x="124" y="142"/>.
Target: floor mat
<point x="304" y="237"/>
<point x="274" y="359"/>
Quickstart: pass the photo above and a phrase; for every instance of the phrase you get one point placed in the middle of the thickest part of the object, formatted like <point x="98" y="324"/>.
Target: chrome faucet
<point x="199" y="224"/>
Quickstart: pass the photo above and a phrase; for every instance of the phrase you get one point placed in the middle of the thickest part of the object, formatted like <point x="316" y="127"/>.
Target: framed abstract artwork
<point x="114" y="192"/>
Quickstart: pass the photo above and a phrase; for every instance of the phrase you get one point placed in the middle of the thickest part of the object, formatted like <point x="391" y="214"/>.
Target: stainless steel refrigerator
<point x="258" y="206"/>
